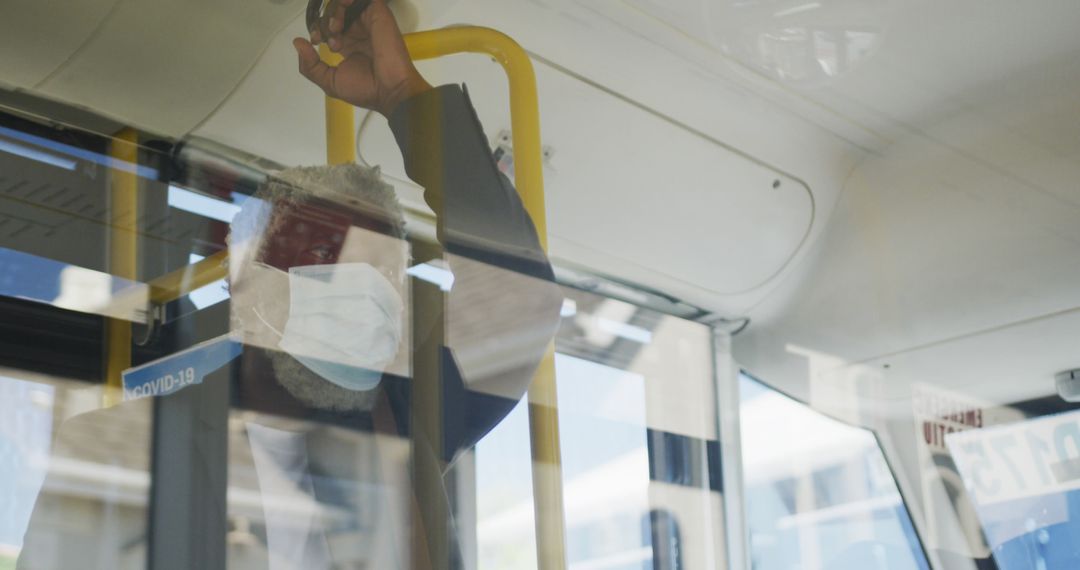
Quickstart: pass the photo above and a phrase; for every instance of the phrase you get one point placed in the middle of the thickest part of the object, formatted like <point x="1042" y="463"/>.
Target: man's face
<point x="323" y="233"/>
<point x="315" y="233"/>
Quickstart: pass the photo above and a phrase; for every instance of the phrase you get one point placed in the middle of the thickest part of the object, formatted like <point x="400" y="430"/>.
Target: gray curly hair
<point x="350" y="183"/>
<point x="353" y="187"/>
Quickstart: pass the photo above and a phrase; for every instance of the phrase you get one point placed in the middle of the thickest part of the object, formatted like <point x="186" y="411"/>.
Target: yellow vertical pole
<point x="340" y="121"/>
<point x="123" y="249"/>
<point x="529" y="181"/>
<point x="547" y="466"/>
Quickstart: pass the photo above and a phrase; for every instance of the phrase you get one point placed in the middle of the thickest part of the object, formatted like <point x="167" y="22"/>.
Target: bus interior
<point x="816" y="264"/>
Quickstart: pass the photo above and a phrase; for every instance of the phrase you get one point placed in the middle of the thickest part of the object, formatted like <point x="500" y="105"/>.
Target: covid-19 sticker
<point x="180" y="370"/>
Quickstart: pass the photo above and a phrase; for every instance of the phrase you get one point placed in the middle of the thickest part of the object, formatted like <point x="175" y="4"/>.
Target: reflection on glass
<point x="305" y="494"/>
<point x="803" y="42"/>
<point x="27" y="276"/>
<point x="818" y="492"/>
<point x="1024" y="479"/>
<point x="299" y="425"/>
<point x="640" y="463"/>
<point x="321" y="412"/>
<point x="505" y="530"/>
<point x="26" y="421"/>
<point x="605" y="464"/>
<point x="80" y="491"/>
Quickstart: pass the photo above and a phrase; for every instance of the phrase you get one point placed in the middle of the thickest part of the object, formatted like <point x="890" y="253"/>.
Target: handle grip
<point x="316" y="11"/>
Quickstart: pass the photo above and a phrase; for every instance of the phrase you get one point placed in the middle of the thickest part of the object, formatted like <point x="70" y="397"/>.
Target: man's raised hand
<point x="376" y="73"/>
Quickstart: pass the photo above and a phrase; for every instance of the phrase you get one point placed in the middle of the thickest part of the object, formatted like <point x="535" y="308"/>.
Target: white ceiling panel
<point x="635" y="177"/>
<point x="631" y="194"/>
<point x="29" y="53"/>
<point x="162" y="65"/>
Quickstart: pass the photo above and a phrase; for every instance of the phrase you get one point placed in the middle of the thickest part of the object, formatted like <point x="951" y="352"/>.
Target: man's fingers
<point x="330" y="25"/>
<point x="356" y="41"/>
<point x="313" y="67"/>
<point x="380" y="23"/>
<point x="349" y="34"/>
<point x="337" y="17"/>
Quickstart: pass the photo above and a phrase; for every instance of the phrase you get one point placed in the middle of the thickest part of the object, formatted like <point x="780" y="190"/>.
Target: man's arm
<point x="480" y="215"/>
<point x="376" y="72"/>
<point x="503" y="308"/>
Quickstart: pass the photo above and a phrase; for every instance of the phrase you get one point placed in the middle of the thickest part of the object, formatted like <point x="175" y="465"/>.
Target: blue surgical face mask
<point x="344" y="322"/>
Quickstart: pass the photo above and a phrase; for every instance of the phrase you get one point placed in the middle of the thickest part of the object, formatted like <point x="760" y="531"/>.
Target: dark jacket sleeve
<point x="503" y="308"/>
<point x="480" y="216"/>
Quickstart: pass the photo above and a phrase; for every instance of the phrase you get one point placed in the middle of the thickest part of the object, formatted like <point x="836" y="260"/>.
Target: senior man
<point x="323" y="436"/>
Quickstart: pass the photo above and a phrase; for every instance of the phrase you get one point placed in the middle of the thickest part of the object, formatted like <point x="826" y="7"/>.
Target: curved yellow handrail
<point x="524" y="106"/>
<point x="341" y="134"/>
<point x="529" y="181"/>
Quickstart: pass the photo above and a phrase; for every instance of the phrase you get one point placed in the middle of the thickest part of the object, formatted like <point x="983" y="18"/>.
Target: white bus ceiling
<point x="980" y="89"/>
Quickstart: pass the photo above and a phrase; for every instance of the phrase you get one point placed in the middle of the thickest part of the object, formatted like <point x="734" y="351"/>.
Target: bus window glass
<point x="819" y="493"/>
<point x="1023" y="479"/>
<point x="640" y="459"/>
<point x="26" y="424"/>
<point x="164" y="409"/>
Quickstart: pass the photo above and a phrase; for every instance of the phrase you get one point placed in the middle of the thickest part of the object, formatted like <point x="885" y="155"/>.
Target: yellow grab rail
<point x="340" y="121"/>
<point x="182" y="281"/>
<point x="341" y="136"/>
<point x="529" y="181"/>
<point x="524" y="107"/>
<point x="123" y="253"/>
